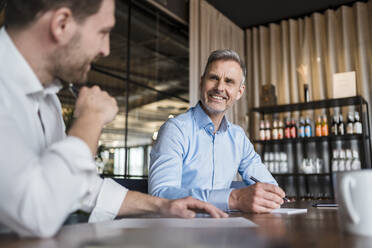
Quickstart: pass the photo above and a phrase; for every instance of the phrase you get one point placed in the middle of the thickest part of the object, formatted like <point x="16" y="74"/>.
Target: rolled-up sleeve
<point x="41" y="190"/>
<point x="165" y="175"/>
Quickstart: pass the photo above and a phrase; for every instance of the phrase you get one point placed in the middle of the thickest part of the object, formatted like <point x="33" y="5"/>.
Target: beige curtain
<point x="210" y="30"/>
<point x="325" y="43"/>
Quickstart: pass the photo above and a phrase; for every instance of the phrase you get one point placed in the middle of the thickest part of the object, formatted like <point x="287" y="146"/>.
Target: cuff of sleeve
<point x="220" y="198"/>
<point x="108" y="202"/>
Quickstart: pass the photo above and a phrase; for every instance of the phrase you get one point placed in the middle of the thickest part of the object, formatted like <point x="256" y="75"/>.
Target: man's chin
<point x="83" y="78"/>
<point x="77" y="80"/>
<point x="214" y="109"/>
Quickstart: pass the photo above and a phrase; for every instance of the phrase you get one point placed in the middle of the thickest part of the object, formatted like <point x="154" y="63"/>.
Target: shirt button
<point x="210" y="128"/>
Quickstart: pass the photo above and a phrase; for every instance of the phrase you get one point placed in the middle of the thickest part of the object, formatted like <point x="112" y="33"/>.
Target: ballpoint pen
<point x="258" y="181"/>
<point x="73" y="90"/>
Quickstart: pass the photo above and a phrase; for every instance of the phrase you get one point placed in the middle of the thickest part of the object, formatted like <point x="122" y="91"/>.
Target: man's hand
<point x="94" y="108"/>
<point x="186" y="207"/>
<point x="94" y="101"/>
<point x="257" y="198"/>
<point x="138" y="203"/>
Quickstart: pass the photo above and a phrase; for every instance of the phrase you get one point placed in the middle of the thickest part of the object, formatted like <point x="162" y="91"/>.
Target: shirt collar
<point x="203" y="120"/>
<point x="20" y="71"/>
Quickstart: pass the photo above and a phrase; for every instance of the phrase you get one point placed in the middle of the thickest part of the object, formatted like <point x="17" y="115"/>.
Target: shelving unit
<point x="301" y="184"/>
<point x="314" y="139"/>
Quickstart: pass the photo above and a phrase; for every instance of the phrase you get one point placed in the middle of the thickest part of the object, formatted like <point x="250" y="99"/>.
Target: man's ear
<point x="201" y="83"/>
<point x="62" y="26"/>
<point x="240" y="92"/>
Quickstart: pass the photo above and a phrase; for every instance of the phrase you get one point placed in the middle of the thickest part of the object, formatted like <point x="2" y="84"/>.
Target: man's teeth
<point x="217" y="97"/>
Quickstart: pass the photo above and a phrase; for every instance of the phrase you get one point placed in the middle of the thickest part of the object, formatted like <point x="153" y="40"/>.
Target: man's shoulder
<point x="236" y="129"/>
<point x="182" y="120"/>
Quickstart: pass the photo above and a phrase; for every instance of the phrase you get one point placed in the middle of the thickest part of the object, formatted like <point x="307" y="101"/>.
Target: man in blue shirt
<point x="198" y="153"/>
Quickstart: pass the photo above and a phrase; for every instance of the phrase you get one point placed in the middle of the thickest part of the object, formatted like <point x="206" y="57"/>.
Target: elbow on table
<point x="45" y="232"/>
<point x="39" y="231"/>
<point x="42" y="223"/>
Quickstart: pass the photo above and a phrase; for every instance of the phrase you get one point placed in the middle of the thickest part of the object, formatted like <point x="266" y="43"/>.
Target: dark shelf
<point x="305" y="145"/>
<point x="314" y="139"/>
<point x="299" y="174"/>
<point x="328" y="103"/>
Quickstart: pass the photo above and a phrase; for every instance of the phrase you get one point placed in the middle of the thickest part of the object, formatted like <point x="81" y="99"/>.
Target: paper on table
<point x="290" y="211"/>
<point x="181" y="223"/>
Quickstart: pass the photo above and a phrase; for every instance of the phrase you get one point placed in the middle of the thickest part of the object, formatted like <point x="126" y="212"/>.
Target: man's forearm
<point x="88" y="128"/>
<point x="216" y="197"/>
<point x="138" y="203"/>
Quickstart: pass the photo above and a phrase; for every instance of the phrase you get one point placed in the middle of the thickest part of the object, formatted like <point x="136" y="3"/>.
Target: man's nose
<point x="220" y="86"/>
<point x="105" y="51"/>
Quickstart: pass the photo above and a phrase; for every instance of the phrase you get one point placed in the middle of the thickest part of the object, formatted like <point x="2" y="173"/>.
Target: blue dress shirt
<point x="189" y="160"/>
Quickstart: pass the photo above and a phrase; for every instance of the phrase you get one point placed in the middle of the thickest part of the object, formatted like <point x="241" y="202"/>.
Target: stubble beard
<point x="69" y="63"/>
<point x="209" y="110"/>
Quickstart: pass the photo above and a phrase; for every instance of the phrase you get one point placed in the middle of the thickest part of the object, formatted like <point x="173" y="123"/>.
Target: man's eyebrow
<point x="229" y="79"/>
<point x="212" y="74"/>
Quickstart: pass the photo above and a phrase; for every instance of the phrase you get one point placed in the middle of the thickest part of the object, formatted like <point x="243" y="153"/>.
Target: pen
<point x="258" y="181"/>
<point x="73" y="90"/>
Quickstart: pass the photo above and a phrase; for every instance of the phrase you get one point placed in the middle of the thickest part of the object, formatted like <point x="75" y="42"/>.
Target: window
<point x="155" y="88"/>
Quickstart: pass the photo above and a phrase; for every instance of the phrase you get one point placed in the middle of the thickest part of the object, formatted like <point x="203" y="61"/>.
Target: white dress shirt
<point x="44" y="175"/>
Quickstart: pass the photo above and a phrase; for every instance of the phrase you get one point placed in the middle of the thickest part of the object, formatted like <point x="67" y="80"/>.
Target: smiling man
<point x="46" y="175"/>
<point x="198" y="153"/>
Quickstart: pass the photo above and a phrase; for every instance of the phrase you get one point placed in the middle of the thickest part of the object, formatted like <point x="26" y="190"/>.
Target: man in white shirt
<point x="46" y="175"/>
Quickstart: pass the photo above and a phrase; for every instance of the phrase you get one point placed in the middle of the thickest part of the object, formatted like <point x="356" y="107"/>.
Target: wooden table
<point x="317" y="228"/>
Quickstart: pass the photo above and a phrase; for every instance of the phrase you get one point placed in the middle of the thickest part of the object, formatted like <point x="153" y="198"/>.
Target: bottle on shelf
<point x="280" y="130"/>
<point x="357" y="124"/>
<point x="318" y="165"/>
<point x="271" y="162"/>
<point x="355" y="164"/>
<point x="262" y="130"/>
<point x="350" y="123"/>
<point x="348" y="160"/>
<point x="274" y="131"/>
<point x="267" y="130"/>
<point x="318" y="126"/>
<point x="341" y="162"/>
<point x="287" y="128"/>
<point x="293" y="129"/>
<point x="324" y="126"/>
<point x="308" y="128"/>
<point x="265" y="157"/>
<point x="301" y="128"/>
<point x="283" y="166"/>
<point x="335" y="158"/>
<point x="341" y="125"/>
<point x="276" y="162"/>
<point x="306" y="93"/>
<point x="307" y="166"/>
<point x="334" y="128"/>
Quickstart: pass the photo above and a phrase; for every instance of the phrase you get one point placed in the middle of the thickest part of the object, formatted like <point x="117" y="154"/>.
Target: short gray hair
<point x="225" y="54"/>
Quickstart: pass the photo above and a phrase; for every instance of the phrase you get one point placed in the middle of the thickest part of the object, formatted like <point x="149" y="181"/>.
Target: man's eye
<point x="214" y="78"/>
<point x="105" y="33"/>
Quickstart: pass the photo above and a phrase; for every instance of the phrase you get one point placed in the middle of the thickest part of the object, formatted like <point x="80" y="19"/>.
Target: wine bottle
<point x="350" y="123"/>
<point x="324" y="126"/>
<point x="341" y="125"/>
<point x="357" y="124"/>
<point x="318" y="127"/>
<point x="262" y="130"/>
<point x="334" y="128"/>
